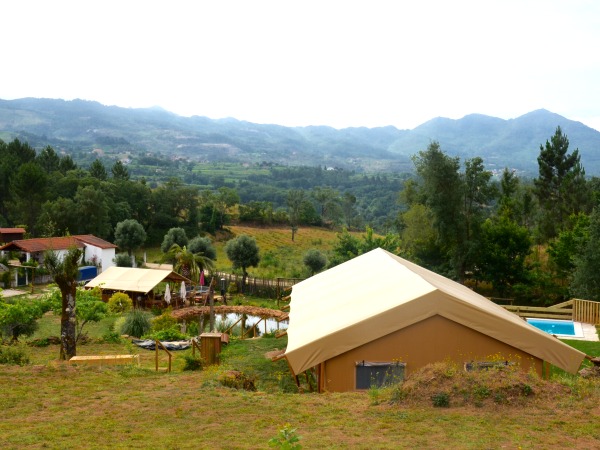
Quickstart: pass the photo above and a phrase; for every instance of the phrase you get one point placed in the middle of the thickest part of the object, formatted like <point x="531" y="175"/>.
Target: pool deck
<point x="589" y="333"/>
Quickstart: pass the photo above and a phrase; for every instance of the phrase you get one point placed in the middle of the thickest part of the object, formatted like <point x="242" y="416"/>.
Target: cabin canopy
<point x="378" y="293"/>
<point x="134" y="280"/>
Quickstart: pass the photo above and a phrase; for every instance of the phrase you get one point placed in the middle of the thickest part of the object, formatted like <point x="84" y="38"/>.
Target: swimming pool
<point x="562" y="328"/>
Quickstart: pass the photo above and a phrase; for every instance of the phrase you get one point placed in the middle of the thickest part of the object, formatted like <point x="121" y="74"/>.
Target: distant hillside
<point x="80" y="126"/>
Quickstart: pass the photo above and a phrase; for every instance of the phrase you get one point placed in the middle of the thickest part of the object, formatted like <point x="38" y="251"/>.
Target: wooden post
<point x="211" y="303"/>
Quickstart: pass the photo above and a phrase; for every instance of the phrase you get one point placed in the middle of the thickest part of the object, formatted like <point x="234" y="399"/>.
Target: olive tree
<point x="243" y="253"/>
<point x="130" y="235"/>
<point x="314" y="260"/>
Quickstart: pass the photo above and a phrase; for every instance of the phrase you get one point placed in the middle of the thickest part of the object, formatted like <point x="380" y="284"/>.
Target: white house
<point x="97" y="252"/>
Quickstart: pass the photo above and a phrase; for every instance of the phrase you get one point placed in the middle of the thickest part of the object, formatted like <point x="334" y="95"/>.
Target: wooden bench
<point x="105" y="360"/>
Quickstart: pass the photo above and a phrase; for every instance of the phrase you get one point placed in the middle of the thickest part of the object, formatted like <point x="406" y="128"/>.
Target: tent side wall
<point x="430" y="340"/>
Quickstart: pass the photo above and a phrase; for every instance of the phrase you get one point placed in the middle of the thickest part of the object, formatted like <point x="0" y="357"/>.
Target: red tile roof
<point x="57" y="243"/>
<point x="94" y="240"/>
<point x="12" y="230"/>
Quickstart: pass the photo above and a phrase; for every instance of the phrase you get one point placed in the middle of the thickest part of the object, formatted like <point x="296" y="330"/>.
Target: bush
<point x="13" y="355"/>
<point x="170" y="334"/>
<point x="237" y="380"/>
<point x="164" y="321"/>
<point x="440" y="400"/>
<point x="137" y="323"/>
<point x="122" y="260"/>
<point x="192" y="363"/>
<point x="111" y="337"/>
<point x="120" y="303"/>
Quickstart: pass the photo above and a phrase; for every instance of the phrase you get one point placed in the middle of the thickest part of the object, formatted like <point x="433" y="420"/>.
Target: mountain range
<point x="80" y="127"/>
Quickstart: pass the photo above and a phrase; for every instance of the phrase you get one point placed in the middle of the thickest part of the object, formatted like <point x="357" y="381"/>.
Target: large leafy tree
<point x="175" y="235"/>
<point x="458" y="204"/>
<point x="560" y="187"/>
<point x="243" y="252"/>
<point x="329" y="203"/>
<point x="504" y="249"/>
<point x="64" y="271"/>
<point x="130" y="235"/>
<point x="12" y="156"/>
<point x="203" y="246"/>
<point x="93" y="211"/>
<point x="586" y="283"/>
<point x="30" y="188"/>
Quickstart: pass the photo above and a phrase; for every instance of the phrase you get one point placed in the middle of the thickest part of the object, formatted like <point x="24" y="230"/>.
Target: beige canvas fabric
<point x="335" y="311"/>
<point x="133" y="280"/>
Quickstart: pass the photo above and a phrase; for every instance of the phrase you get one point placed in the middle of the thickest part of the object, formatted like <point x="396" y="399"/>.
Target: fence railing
<point x="586" y="311"/>
<point x="265" y="287"/>
<point x="577" y="310"/>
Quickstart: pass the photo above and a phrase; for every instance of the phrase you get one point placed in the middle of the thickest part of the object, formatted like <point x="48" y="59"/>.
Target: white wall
<point x="103" y="257"/>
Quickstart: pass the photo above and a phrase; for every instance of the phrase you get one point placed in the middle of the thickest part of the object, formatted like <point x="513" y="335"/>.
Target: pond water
<point x="223" y="321"/>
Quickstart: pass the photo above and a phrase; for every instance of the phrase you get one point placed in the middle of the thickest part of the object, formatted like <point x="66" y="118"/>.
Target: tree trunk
<point x="68" y="324"/>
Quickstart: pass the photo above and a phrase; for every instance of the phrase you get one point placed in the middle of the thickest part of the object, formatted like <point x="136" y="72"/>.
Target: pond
<point x="225" y="321"/>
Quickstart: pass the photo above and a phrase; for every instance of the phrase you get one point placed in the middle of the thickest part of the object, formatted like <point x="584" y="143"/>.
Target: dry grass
<point x="54" y="405"/>
<point x="48" y="404"/>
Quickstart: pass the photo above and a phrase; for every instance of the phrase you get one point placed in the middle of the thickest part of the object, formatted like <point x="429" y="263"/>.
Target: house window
<point x="377" y="374"/>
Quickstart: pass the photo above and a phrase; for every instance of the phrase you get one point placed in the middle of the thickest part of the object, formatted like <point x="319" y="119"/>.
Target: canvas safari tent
<point x="380" y="311"/>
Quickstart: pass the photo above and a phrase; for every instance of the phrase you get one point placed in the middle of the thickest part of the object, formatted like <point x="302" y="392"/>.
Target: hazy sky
<point x="338" y="63"/>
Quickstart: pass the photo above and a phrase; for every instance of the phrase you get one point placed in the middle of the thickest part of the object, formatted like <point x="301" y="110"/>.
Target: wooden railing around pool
<point x="585" y="311"/>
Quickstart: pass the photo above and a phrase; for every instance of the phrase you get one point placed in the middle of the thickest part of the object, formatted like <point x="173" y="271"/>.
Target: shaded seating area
<point x="146" y="287"/>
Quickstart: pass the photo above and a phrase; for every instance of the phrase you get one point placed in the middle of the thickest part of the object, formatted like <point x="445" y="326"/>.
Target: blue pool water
<point x="558" y="327"/>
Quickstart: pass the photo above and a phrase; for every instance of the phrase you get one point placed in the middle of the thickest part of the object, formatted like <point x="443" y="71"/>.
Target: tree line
<point x="533" y="239"/>
<point x="50" y="195"/>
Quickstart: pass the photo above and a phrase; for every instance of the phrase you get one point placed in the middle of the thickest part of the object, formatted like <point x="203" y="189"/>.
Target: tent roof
<point x="332" y="313"/>
<point x="133" y="280"/>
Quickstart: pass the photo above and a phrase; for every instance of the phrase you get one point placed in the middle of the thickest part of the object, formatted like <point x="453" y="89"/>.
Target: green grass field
<point x="280" y="256"/>
<point x="48" y="404"/>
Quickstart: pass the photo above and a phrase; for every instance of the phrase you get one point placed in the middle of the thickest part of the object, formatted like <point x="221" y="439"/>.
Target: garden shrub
<point x="164" y="321"/>
<point x="119" y="303"/>
<point x="441" y="400"/>
<point x="170" y="334"/>
<point x="237" y="380"/>
<point x="192" y="363"/>
<point x="137" y="323"/>
<point x="13" y="355"/>
<point x="111" y="337"/>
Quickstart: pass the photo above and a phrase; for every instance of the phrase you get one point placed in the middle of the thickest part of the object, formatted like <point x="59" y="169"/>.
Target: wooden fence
<point x="586" y="311"/>
<point x="264" y="287"/>
<point x="575" y="309"/>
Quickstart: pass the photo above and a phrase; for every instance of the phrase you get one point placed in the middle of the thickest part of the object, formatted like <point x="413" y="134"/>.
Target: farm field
<point x="48" y="404"/>
<point x="280" y="256"/>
